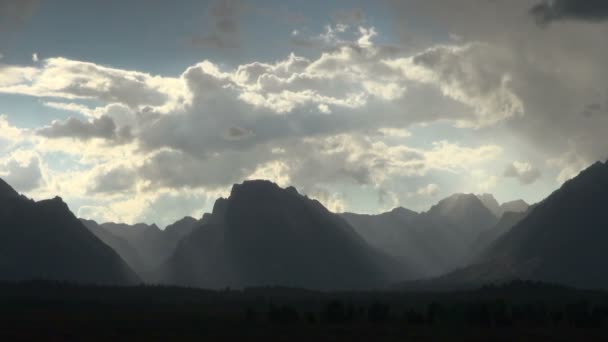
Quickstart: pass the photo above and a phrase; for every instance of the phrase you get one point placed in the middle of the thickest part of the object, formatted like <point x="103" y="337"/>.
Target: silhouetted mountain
<point x="126" y="251"/>
<point x="144" y="247"/>
<point x="499" y="209"/>
<point x="181" y="228"/>
<point x="432" y="242"/>
<point x="151" y="243"/>
<point x="265" y="235"/>
<point x="488" y="237"/>
<point x="561" y="240"/>
<point x="44" y="240"/>
<point x="491" y="203"/>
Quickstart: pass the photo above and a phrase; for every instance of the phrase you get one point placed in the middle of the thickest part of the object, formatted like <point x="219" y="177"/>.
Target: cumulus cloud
<point x="342" y="118"/>
<point x="524" y="172"/>
<point x="592" y="10"/>
<point x="428" y="190"/>
<point x="475" y="74"/>
<point x="69" y="79"/>
<point x="544" y="81"/>
<point x="102" y="128"/>
<point x="9" y="135"/>
<point x="119" y="179"/>
<point x="23" y="175"/>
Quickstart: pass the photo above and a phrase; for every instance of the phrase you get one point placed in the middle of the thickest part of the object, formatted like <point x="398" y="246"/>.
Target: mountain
<point x="181" y="228"/>
<point x="432" y="242"/>
<point x="265" y="235"/>
<point x="152" y="244"/>
<point x="561" y="240"/>
<point x="491" y="203"/>
<point x="498" y="210"/>
<point x="121" y="245"/>
<point x="517" y="206"/>
<point x="488" y="237"/>
<point x="44" y="240"/>
<point x="144" y="247"/>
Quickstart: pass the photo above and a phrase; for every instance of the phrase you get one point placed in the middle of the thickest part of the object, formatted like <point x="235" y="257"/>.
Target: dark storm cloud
<point x="590" y="10"/>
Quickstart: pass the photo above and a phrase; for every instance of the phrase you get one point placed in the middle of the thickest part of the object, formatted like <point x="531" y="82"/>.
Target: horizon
<point x="150" y="115"/>
<point x="285" y="187"/>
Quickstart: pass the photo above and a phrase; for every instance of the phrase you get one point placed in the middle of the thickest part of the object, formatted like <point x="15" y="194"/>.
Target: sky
<point x="147" y="111"/>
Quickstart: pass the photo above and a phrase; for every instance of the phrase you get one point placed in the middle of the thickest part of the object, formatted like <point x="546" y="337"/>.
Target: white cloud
<point x="35" y="57"/>
<point x="22" y="171"/>
<point x="525" y="172"/>
<point x="428" y="190"/>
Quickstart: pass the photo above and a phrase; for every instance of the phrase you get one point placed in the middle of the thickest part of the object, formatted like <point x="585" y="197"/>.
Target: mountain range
<point x="263" y="234"/>
<point x="44" y="240"/>
<point x="562" y="240"/>
<point x="439" y="240"/>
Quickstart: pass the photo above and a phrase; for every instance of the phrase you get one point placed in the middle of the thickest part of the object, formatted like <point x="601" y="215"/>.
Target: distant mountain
<point x="517" y="206"/>
<point x="181" y="228"/>
<point x="265" y="235"/>
<point x="44" y="240"/>
<point x="433" y="242"/>
<point x="486" y="238"/>
<point x="491" y="203"/>
<point x="498" y="210"/>
<point x="561" y="240"/>
<point x="121" y="245"/>
<point x="145" y="247"/>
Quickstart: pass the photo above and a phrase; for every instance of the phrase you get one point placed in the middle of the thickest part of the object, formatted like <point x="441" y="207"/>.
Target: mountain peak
<point x="455" y="203"/>
<point x="6" y="191"/>
<point x="257" y="186"/>
<point x="491" y="203"/>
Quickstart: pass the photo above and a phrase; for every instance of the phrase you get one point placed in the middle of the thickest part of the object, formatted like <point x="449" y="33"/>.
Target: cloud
<point x="102" y="128"/>
<point x="9" y="135"/>
<point x="69" y="79"/>
<point x="429" y="190"/>
<point x="537" y="84"/>
<point x="119" y="179"/>
<point x="589" y="10"/>
<point x="23" y="175"/>
<point x="522" y="171"/>
<point x="475" y="74"/>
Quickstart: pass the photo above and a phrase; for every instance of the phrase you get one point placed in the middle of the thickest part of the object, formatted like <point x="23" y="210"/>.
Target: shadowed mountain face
<point x="265" y="235"/>
<point x="561" y="240"/>
<point x="45" y="240"/>
<point x="121" y="245"/>
<point x="433" y="242"/>
<point x="143" y="246"/>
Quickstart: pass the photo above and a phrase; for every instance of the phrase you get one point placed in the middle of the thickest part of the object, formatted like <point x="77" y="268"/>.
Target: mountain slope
<point x="498" y="210"/>
<point x="562" y="240"/>
<point x="265" y="235"/>
<point x="126" y="251"/>
<point x="150" y="242"/>
<point x="433" y="242"/>
<point x="45" y="240"/>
